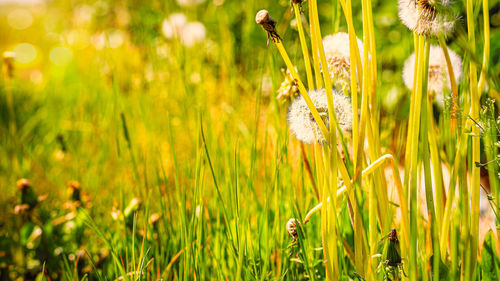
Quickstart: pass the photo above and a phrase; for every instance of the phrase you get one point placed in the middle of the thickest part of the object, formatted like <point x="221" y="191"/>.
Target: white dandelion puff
<point x="173" y="26"/>
<point x="193" y="33"/>
<point x="438" y="77"/>
<point x="338" y="58"/>
<point x="427" y="17"/>
<point x="188" y="3"/>
<point x="302" y="123"/>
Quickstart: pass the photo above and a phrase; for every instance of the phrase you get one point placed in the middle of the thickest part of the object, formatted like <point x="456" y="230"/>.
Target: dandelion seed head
<point x="189" y="3"/>
<point x="338" y="58"/>
<point x="173" y="25"/>
<point x="438" y="78"/>
<point x="343" y="111"/>
<point x="301" y="120"/>
<point x="193" y="33"/>
<point x="428" y="17"/>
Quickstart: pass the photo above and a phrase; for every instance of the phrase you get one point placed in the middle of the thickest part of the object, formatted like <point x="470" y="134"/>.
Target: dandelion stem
<point x="436" y="163"/>
<point x="303" y="90"/>
<point x="429" y="195"/>
<point x="421" y="91"/>
<point x="486" y="48"/>
<point x="303" y="44"/>
<point x="462" y="149"/>
<point x="317" y="68"/>
<point x="474" y="114"/>
<point x="453" y="83"/>
<point x="332" y="262"/>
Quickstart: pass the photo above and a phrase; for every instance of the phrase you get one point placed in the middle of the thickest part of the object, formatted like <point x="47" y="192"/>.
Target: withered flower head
<point x="8" y="63"/>
<point x="268" y="24"/>
<point x="74" y="190"/>
<point x="291" y="227"/>
<point x="154" y="218"/>
<point x="288" y="88"/>
<point x="23" y="184"/>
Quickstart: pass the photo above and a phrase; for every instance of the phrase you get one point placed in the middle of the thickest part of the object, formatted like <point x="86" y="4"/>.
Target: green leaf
<point x="490" y="264"/>
<point x="26" y="231"/>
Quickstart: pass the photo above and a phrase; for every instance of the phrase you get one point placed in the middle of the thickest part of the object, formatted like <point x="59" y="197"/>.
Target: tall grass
<point x="197" y="134"/>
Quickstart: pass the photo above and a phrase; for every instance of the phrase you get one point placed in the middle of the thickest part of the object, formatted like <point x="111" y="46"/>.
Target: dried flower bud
<point x="8" y="63"/>
<point x="291" y="227"/>
<point x="23" y="184"/>
<point x="288" y="89"/>
<point x="268" y="24"/>
<point x="21" y="209"/>
<point x="28" y="195"/>
<point x="262" y="17"/>
<point x="74" y="190"/>
<point x="154" y="218"/>
<point x="132" y="207"/>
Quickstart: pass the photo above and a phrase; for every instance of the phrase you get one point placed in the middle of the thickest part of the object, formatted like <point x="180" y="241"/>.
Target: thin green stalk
<point x="448" y="210"/>
<point x="314" y="47"/>
<point x="356" y="73"/>
<point x="474" y="114"/>
<point x="465" y="235"/>
<point x="373" y="61"/>
<point x="436" y="163"/>
<point x="453" y="83"/>
<point x="346" y="7"/>
<point x="303" y="90"/>
<point x="373" y="131"/>
<point x="428" y="186"/>
<point x="322" y="178"/>
<point x="303" y="44"/>
<point x="416" y="40"/>
<point x="421" y="91"/>
<point x="331" y="246"/>
<point x="486" y="48"/>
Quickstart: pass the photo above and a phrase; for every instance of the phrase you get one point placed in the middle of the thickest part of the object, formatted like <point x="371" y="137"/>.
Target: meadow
<point x="250" y="140"/>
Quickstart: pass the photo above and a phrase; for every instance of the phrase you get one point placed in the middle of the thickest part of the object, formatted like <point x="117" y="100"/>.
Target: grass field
<point x="164" y="140"/>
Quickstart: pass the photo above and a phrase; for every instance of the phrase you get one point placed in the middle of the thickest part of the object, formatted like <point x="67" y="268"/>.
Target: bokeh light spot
<point x="61" y="56"/>
<point x="25" y="53"/>
<point x="20" y="19"/>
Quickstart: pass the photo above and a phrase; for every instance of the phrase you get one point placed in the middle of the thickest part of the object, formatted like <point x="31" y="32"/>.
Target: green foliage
<point x="490" y="263"/>
<point x="197" y="134"/>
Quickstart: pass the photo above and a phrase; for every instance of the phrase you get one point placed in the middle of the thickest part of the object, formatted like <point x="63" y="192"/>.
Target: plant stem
<point x="303" y="44"/>
<point x="303" y="90"/>
<point x="331" y="245"/>
<point x="486" y="48"/>
<point x="436" y="163"/>
<point x="428" y="185"/>
<point x="314" y="48"/>
<point x="474" y="114"/>
<point x="421" y="90"/>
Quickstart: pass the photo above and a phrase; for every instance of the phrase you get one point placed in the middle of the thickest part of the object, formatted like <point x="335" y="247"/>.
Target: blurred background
<point x="103" y="101"/>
